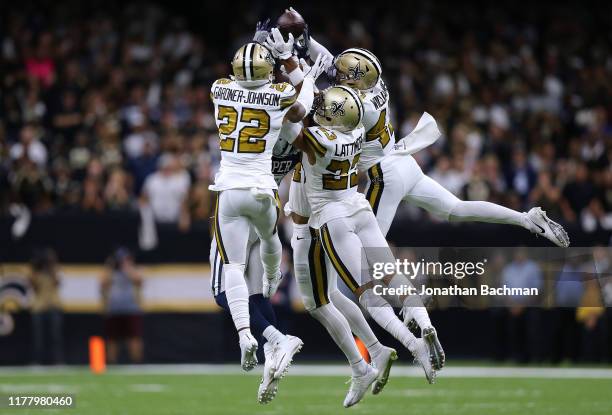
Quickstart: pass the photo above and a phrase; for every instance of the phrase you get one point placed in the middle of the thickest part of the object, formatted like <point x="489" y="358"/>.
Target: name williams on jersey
<point x="379" y="100"/>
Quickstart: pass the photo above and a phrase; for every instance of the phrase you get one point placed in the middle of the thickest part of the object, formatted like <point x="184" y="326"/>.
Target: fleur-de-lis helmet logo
<point x="337" y="108"/>
<point x="355" y="72"/>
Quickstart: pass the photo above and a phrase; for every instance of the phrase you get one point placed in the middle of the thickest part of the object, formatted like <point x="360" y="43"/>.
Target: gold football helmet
<point x="338" y="108"/>
<point x="357" y="68"/>
<point x="253" y="65"/>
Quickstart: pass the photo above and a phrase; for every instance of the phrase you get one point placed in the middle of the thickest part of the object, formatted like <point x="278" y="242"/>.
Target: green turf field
<point x="149" y="394"/>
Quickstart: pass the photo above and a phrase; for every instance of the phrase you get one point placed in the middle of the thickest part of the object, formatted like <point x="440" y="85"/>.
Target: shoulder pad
<point x="317" y="138"/>
<point x="282" y="87"/>
<point x="222" y="81"/>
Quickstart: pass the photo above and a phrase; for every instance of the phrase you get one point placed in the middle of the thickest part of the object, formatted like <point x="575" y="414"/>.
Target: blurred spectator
<point x="546" y="195"/>
<point x="569" y="288"/>
<point x="166" y="191"/>
<point x="447" y="176"/>
<point x="144" y="165"/>
<point x="591" y="314"/>
<point x="29" y="147"/>
<point x="47" y="315"/>
<point x="200" y="198"/>
<point x="523" y="323"/>
<point x="92" y="200"/>
<point x="577" y="194"/>
<point x="68" y="117"/>
<point x="521" y="176"/>
<point x="121" y="286"/>
<point x="522" y="272"/>
<point x="31" y="186"/>
<point x="117" y="190"/>
<point x="39" y="64"/>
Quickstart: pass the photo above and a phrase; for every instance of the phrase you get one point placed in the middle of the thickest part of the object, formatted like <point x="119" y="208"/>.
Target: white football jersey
<point x="331" y="182"/>
<point x="249" y="122"/>
<point x="379" y="136"/>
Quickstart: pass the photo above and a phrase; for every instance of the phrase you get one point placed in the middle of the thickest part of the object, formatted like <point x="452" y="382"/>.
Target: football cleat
<point x="542" y="225"/>
<point x="359" y="386"/>
<point x="270" y="285"/>
<point x="269" y="384"/>
<point x="248" y="351"/>
<point x="436" y="353"/>
<point x="284" y="352"/>
<point x="420" y="351"/>
<point x="383" y="362"/>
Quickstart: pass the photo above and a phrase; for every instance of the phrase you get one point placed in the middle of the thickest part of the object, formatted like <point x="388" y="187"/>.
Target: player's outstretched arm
<point x="303" y="103"/>
<point x="316" y="49"/>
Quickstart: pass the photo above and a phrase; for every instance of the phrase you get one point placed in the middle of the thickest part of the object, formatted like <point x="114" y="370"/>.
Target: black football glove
<point x="262" y="31"/>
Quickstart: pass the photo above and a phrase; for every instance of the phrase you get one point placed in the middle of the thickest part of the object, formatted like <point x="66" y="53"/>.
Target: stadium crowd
<point x="104" y="103"/>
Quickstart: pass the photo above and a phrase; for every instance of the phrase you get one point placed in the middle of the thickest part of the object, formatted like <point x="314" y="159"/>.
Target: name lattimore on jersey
<point x="379" y="100"/>
<point x="343" y="150"/>
<point x="241" y="97"/>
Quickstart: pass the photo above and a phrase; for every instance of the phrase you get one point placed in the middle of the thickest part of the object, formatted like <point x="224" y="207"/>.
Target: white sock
<point x="243" y="333"/>
<point x="301" y="230"/>
<point x="272" y="335"/>
<point x="421" y="316"/>
<point x="480" y="211"/>
<point x="357" y="321"/>
<point x="413" y="303"/>
<point x="384" y="315"/>
<point x="359" y="368"/>
<point x="339" y="330"/>
<point x="237" y="295"/>
<point x="271" y="251"/>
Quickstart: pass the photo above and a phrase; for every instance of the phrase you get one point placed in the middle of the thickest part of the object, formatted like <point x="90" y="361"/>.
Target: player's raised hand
<point x="262" y="31"/>
<point x="318" y="67"/>
<point x="280" y="48"/>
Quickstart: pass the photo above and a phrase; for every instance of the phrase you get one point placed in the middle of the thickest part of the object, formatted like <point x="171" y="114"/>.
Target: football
<point x="291" y="22"/>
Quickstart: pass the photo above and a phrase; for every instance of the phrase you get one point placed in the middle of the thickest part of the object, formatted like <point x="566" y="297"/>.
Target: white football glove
<point x="318" y="67"/>
<point x="280" y="49"/>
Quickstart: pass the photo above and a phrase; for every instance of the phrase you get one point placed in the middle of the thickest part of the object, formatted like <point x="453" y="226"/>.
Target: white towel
<point x="424" y="134"/>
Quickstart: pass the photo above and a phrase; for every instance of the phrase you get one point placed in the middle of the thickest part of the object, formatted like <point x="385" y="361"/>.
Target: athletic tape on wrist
<point x="296" y="76"/>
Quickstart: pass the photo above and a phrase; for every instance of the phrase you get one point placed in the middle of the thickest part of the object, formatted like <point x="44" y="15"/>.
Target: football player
<point x="316" y="279"/>
<point x="345" y="224"/>
<point x="279" y="348"/>
<point x="250" y="111"/>
<point x="394" y="175"/>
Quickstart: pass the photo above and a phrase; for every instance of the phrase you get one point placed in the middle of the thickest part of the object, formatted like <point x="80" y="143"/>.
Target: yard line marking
<point x="147" y="387"/>
<point x="38" y="388"/>
<point x="320" y="370"/>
